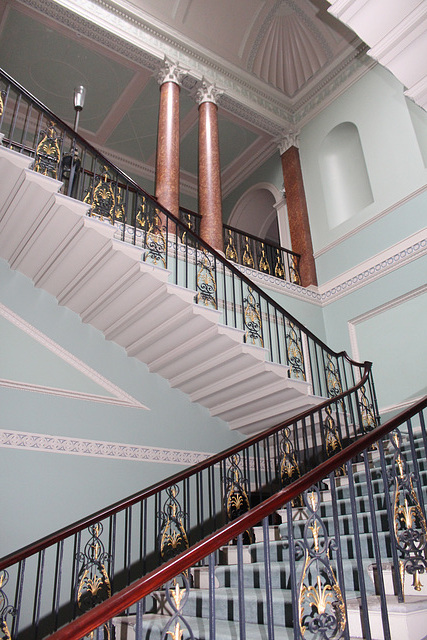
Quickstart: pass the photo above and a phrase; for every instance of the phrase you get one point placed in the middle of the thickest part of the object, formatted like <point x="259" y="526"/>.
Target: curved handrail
<point x="84" y="523"/>
<point x="155" y="579"/>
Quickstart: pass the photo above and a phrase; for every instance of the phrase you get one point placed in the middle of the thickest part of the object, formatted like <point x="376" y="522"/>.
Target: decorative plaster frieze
<point x="19" y="440"/>
<point x="120" y="397"/>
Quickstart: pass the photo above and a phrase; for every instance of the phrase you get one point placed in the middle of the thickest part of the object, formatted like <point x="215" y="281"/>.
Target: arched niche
<point x="345" y="180"/>
<point x="261" y="211"/>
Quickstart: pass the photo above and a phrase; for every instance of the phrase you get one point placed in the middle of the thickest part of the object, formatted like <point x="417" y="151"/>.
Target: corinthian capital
<point x="170" y="72"/>
<point x="288" y="140"/>
<point x="207" y="92"/>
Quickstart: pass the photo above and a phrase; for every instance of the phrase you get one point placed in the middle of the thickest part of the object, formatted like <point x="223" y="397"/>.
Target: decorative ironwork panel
<point x="2" y="94"/>
<point x="141" y="215"/>
<point x="93" y="581"/>
<point x="155" y="242"/>
<point x="289" y="467"/>
<point x="236" y="500"/>
<point x="279" y="269"/>
<point x="188" y="221"/>
<point x="230" y="249"/>
<point x="177" y="596"/>
<point x="410" y="527"/>
<point x="294" y="269"/>
<point x="322" y="613"/>
<point x="101" y="196"/>
<point x="48" y="154"/>
<point x="206" y="281"/>
<point x="333" y="377"/>
<point x="369" y="421"/>
<point x="247" y="258"/>
<point x="332" y="438"/>
<point x="173" y="536"/>
<point x="263" y="264"/>
<point x="5" y="608"/>
<point x="252" y="319"/>
<point x="295" y="355"/>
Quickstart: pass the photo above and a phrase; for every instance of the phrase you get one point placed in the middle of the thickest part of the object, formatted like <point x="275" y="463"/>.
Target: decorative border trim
<point x="12" y="439"/>
<point x="120" y="397"/>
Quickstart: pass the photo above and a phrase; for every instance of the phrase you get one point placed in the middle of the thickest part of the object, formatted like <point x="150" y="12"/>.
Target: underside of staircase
<point x="49" y="237"/>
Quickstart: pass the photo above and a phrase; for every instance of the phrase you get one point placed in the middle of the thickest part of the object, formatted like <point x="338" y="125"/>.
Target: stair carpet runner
<point x="197" y="608"/>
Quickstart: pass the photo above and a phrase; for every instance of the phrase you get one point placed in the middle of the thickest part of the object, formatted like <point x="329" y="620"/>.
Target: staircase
<point x="78" y="259"/>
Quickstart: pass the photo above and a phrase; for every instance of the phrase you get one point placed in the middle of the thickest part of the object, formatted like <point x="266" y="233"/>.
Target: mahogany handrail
<point x="156" y="578"/>
<point x="69" y="530"/>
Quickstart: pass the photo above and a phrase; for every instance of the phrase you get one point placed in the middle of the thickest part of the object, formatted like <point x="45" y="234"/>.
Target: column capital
<point x="170" y="72"/>
<point x="287" y="141"/>
<point x="207" y="92"/>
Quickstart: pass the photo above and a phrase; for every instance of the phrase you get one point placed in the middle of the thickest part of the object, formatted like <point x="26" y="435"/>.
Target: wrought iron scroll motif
<point x="332" y="437"/>
<point x="6" y="609"/>
<point x="173" y="537"/>
<point x="101" y="197"/>
<point x="263" y="265"/>
<point x="235" y="495"/>
<point x="189" y="223"/>
<point x="333" y="378"/>
<point x="410" y="527"/>
<point x="141" y="216"/>
<point x="247" y="258"/>
<point x="322" y="613"/>
<point x="289" y="467"/>
<point x="295" y="356"/>
<point x="230" y="250"/>
<point x="48" y="154"/>
<point x="252" y="319"/>
<point x="93" y="581"/>
<point x="279" y="269"/>
<point x="293" y="269"/>
<point x="155" y="242"/>
<point x="177" y="596"/>
<point x="369" y="421"/>
<point x="2" y="94"/>
<point x="206" y="283"/>
<point x="120" y="211"/>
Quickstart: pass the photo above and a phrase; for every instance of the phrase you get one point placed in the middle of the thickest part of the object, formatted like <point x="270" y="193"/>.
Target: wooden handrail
<point x="84" y="523"/>
<point x="156" y="578"/>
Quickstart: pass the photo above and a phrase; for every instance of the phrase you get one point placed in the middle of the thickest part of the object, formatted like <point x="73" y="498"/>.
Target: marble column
<point x="299" y="226"/>
<point x="167" y="162"/>
<point x="210" y="198"/>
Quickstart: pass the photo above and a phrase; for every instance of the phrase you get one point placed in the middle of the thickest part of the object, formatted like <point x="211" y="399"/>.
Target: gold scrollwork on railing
<point x="263" y="264"/>
<point x="279" y="269"/>
<point x="289" y="467"/>
<point x="206" y="283"/>
<point x="230" y="250"/>
<point x="333" y="377"/>
<point x="332" y="439"/>
<point x="101" y="197"/>
<point x="252" y="319"/>
<point x="321" y="604"/>
<point x="295" y="355"/>
<point x="155" y="242"/>
<point x="247" y="258"/>
<point x="173" y="536"/>
<point x="176" y="597"/>
<point x="410" y="527"/>
<point x="369" y="421"/>
<point x="5" y="608"/>
<point x="1" y="103"/>
<point x="236" y="498"/>
<point x="141" y="219"/>
<point x="293" y="269"/>
<point x="48" y="153"/>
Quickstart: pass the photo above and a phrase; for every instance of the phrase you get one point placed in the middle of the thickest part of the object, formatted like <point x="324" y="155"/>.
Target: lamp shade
<point x="79" y="97"/>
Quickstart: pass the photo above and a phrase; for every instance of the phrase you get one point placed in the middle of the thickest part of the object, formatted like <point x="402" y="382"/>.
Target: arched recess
<point x="345" y="180"/>
<point x="261" y="211"/>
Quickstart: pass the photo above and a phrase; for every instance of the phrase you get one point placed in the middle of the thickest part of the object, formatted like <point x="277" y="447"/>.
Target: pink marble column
<point x="167" y="162"/>
<point x="299" y="225"/>
<point x="210" y="198"/>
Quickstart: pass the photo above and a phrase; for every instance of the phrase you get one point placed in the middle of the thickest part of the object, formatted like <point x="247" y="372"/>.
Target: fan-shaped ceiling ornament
<point x="289" y="49"/>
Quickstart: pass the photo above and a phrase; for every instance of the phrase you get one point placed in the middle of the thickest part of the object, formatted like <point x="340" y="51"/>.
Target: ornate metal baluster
<point x="48" y="154"/>
<point x="186" y="220"/>
<point x="410" y="527"/>
<point x="101" y="197"/>
<point x="173" y="536"/>
<point x="332" y="439"/>
<point x="263" y="262"/>
<point x="333" y="377"/>
<point x="289" y="467"/>
<point x="321" y="605"/>
<point x="230" y="250"/>
<point x="279" y="269"/>
<point x="155" y="241"/>
<point x="206" y="283"/>
<point x="177" y="596"/>
<point x="369" y="421"/>
<point x="293" y="268"/>
<point x="295" y="355"/>
<point x="141" y="216"/>
<point x="2" y="94"/>
<point x="93" y="581"/>
<point x="247" y="258"/>
<point x="120" y="211"/>
<point x="6" y="609"/>
<point x="236" y="500"/>
<point x="252" y="319"/>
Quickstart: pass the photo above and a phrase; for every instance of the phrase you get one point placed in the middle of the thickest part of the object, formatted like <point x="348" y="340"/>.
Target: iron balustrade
<point x="314" y="579"/>
<point x="55" y="580"/>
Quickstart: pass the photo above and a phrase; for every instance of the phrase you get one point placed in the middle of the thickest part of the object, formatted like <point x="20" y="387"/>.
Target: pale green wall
<point x="46" y="490"/>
